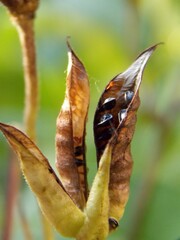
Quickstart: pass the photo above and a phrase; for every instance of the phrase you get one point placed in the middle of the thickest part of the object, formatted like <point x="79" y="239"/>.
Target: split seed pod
<point x="114" y="122"/>
<point x="70" y="137"/>
<point x="66" y="202"/>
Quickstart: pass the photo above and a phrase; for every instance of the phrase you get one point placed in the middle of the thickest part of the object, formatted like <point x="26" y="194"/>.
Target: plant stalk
<point x="22" y="15"/>
<point x="12" y="190"/>
<point x="25" y="27"/>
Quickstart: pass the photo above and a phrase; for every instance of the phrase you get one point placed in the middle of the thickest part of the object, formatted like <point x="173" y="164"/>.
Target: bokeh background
<point x="107" y="36"/>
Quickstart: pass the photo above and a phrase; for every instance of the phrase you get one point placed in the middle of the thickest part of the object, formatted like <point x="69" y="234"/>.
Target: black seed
<point x="122" y="114"/>
<point x="105" y="119"/>
<point x="128" y="96"/>
<point x="78" y="151"/>
<point x="113" y="223"/>
<point x="108" y="104"/>
<point x="106" y="135"/>
<point x="79" y="162"/>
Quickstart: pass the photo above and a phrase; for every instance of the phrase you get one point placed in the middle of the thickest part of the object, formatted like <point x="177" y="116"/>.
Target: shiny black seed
<point x="105" y="119"/>
<point x="128" y="96"/>
<point x="78" y="151"/>
<point x="122" y="114"/>
<point x="79" y="162"/>
<point x="113" y="223"/>
<point x="109" y="103"/>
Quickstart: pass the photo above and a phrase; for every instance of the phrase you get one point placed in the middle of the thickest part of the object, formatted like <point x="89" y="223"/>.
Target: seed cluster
<point x="109" y="115"/>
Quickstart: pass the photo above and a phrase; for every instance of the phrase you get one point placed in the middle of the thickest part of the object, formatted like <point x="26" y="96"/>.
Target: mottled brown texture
<point x="118" y="130"/>
<point x="70" y="135"/>
<point x="78" y="87"/>
<point x="121" y="163"/>
<point x="65" y="160"/>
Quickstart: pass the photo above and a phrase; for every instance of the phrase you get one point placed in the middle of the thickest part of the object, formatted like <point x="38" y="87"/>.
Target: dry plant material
<point x="54" y="202"/>
<point x="70" y="137"/>
<point x="22" y="14"/>
<point x="21" y="7"/>
<point x="114" y="122"/>
<point x="65" y="201"/>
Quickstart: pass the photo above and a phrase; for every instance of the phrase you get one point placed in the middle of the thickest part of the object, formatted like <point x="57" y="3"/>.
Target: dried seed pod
<point x="70" y="137"/>
<point x="124" y="89"/>
<point x="114" y="125"/>
<point x="97" y="208"/>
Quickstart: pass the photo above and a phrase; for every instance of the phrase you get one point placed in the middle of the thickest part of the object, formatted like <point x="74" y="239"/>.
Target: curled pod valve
<point x="114" y="122"/>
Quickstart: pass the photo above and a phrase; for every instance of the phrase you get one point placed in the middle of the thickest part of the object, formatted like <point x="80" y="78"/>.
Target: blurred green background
<point x="107" y="36"/>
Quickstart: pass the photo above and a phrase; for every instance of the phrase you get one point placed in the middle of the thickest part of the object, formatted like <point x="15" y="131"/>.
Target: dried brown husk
<point x="70" y="136"/>
<point x="119" y="132"/>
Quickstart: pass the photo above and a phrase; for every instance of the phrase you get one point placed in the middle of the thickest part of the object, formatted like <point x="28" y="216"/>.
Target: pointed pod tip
<point x="157" y="44"/>
<point x="153" y="47"/>
<point x="137" y="68"/>
<point x="68" y="43"/>
<point x="71" y="52"/>
<point x="150" y="49"/>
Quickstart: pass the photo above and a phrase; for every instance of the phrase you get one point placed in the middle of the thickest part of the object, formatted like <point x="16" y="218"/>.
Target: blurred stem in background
<point x="22" y="15"/>
<point x="13" y="181"/>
